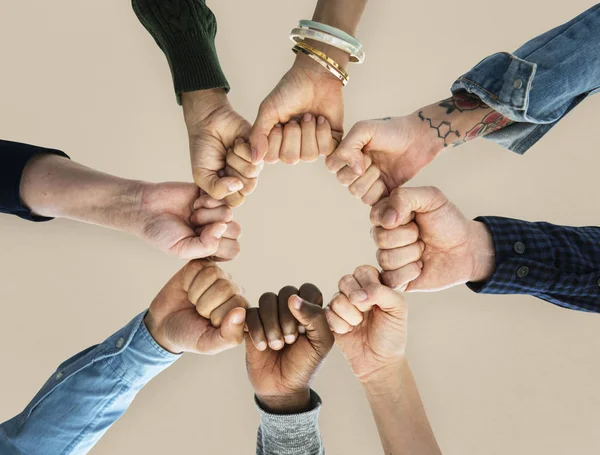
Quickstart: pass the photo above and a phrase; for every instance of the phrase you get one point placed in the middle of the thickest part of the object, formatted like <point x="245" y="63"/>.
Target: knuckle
<point x="382" y="237"/>
<point x="383" y="259"/>
<point x="346" y="279"/>
<point x="224" y="286"/>
<point x="212" y="273"/>
<point x="364" y="270"/>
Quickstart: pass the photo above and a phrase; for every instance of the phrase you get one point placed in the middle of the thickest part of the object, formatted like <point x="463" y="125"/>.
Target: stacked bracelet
<point x="324" y="60"/>
<point x="326" y="34"/>
<point x="357" y="54"/>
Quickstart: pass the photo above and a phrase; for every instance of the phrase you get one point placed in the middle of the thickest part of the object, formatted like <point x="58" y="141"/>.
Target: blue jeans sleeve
<point x="558" y="264"/>
<point x="86" y="395"/>
<point x="541" y="82"/>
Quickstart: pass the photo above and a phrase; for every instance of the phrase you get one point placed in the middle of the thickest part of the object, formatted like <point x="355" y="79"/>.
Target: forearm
<point x="399" y="414"/>
<point x="458" y="119"/>
<point x="52" y="186"/>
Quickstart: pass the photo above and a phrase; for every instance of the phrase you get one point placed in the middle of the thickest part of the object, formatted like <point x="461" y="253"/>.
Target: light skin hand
<point x="401" y="146"/>
<point x="199" y="310"/>
<point x="174" y="217"/>
<point x="369" y="321"/>
<point x="307" y="88"/>
<point x="419" y="230"/>
<point x="213" y="126"/>
<point x="280" y="360"/>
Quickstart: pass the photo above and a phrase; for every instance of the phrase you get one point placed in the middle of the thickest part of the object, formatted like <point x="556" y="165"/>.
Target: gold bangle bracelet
<point x="324" y="60"/>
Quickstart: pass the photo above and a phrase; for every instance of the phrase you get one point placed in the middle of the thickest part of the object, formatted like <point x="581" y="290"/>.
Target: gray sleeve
<point x="296" y="434"/>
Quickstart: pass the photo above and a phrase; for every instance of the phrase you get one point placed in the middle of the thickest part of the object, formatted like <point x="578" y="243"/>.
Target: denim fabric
<point x="541" y="82"/>
<point x="86" y="395"/>
<point x="558" y="264"/>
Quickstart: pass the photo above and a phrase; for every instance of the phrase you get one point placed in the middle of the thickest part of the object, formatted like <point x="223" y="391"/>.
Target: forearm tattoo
<point x="443" y="128"/>
<point x="463" y="101"/>
<point x="460" y="103"/>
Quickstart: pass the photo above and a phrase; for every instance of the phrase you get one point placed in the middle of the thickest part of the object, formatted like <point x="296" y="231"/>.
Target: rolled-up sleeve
<point x="541" y="82"/>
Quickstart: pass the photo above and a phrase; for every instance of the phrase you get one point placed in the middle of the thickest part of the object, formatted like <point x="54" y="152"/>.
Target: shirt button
<point x="523" y="271"/>
<point x="59" y="376"/>
<point x="120" y="342"/>
<point x="518" y="84"/>
<point x="519" y="247"/>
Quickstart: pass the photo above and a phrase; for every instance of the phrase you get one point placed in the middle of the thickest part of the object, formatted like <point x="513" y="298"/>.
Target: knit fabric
<point x="185" y="30"/>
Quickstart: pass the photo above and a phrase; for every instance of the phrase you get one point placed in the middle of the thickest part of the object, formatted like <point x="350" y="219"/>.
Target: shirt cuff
<point x="524" y="258"/>
<point x="291" y="434"/>
<point x="13" y="159"/>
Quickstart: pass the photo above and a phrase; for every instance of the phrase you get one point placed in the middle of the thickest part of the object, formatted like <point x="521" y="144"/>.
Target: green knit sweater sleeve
<point x="185" y="30"/>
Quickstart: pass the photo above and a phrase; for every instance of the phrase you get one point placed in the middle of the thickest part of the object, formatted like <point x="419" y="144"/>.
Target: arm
<point x="306" y="95"/>
<point x="370" y="324"/>
<point x="172" y="216"/>
<point x="399" y="414"/>
<point x="89" y="392"/>
<point x="511" y="99"/>
<point x="427" y="244"/>
<point x="281" y="364"/>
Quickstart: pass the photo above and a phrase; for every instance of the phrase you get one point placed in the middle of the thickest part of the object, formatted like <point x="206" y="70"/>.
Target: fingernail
<point x="422" y="244"/>
<point x="321" y="120"/>
<point x="254" y="154"/>
<point x="356" y="167"/>
<point x="261" y="346"/>
<point x="292" y="121"/>
<point x="278" y="125"/>
<point x="196" y="204"/>
<point x="301" y="330"/>
<point x="297" y="302"/>
<point x="420" y="264"/>
<point x="235" y="186"/>
<point x="237" y="318"/>
<point x="358" y="296"/>
<point x="289" y="339"/>
<point x="220" y="231"/>
<point x="276" y="344"/>
<point x="307" y="117"/>
<point x="389" y="217"/>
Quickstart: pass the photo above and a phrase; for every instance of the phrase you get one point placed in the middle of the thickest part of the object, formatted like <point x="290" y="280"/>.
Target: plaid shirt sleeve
<point x="558" y="264"/>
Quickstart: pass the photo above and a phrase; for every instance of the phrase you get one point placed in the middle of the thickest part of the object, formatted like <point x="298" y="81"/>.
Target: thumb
<point x="350" y="149"/>
<point x="313" y="318"/>
<point x="217" y="187"/>
<point x="204" y="245"/>
<point x="259" y="133"/>
<point x="231" y="332"/>
<point x="400" y="207"/>
<point x="379" y="295"/>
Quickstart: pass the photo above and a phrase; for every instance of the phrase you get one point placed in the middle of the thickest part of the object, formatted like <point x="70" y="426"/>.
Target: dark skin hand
<point x="288" y="339"/>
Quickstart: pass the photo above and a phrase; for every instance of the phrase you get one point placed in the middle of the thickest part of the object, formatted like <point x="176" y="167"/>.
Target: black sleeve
<point x="13" y="159"/>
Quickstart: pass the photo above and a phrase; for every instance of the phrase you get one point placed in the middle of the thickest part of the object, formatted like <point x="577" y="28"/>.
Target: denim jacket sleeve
<point x="541" y="82"/>
<point x="86" y="395"/>
<point x="558" y="264"/>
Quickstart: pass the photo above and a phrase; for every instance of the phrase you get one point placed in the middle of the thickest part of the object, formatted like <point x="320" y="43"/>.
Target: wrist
<point x="291" y="403"/>
<point x="200" y="104"/>
<point x="482" y="252"/>
<point x="384" y="381"/>
<point x="156" y="331"/>
<point x="312" y="69"/>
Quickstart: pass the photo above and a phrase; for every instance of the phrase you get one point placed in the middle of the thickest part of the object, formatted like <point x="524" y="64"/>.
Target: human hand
<point x="389" y="151"/>
<point x="308" y="92"/>
<point x="179" y="220"/>
<point x="426" y="243"/>
<point x="369" y="321"/>
<point x="281" y="373"/>
<point x="199" y="310"/>
<point x="213" y="126"/>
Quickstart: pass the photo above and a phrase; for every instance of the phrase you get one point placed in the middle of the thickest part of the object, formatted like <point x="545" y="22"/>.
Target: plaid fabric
<point x="558" y="264"/>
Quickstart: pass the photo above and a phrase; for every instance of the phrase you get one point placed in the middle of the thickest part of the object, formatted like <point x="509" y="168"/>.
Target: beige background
<point x="498" y="375"/>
